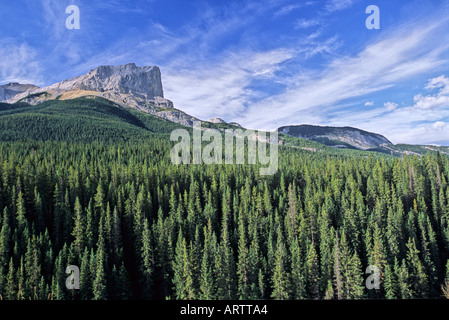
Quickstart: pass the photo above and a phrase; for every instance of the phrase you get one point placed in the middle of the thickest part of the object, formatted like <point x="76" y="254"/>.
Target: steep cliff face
<point x="144" y="82"/>
<point x="140" y="82"/>
<point x="337" y="136"/>
<point x="127" y="85"/>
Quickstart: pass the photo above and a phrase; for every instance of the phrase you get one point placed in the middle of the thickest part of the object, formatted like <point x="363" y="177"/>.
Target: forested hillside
<point x="81" y="120"/>
<point x="111" y="202"/>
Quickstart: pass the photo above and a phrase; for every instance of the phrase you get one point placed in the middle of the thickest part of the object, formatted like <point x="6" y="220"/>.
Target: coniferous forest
<point x="140" y="227"/>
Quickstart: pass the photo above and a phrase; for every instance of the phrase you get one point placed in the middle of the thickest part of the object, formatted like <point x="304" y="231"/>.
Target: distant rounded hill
<point x="339" y="137"/>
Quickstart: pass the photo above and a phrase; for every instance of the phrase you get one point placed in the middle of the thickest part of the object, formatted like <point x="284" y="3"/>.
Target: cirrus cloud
<point x="18" y="63"/>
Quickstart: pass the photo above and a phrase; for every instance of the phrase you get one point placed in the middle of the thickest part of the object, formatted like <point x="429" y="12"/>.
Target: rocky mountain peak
<point x="127" y="85"/>
<point x="217" y="120"/>
<point x="11" y="89"/>
<point x="144" y="82"/>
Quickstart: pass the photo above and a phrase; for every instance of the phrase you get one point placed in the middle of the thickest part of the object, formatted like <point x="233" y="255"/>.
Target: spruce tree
<point x="313" y="284"/>
<point x="147" y="261"/>
<point x="11" y="289"/>
<point x="298" y="272"/>
<point x="78" y="228"/>
<point x="338" y="272"/>
<point x="416" y="271"/>
<point x="206" y="280"/>
<point x="391" y="285"/>
<point x="99" y="284"/>
<point x="242" y="264"/>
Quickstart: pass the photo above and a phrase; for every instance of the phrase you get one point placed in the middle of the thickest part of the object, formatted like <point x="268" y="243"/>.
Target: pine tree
<point x="338" y="276"/>
<point x="418" y="277"/>
<point x="117" y="239"/>
<point x="21" y="231"/>
<point x="162" y="258"/>
<point x="378" y="258"/>
<point x="326" y="245"/>
<point x="32" y="267"/>
<point x="39" y="211"/>
<point x="10" y="290"/>
<point x="206" y="281"/>
<point x="123" y="282"/>
<point x="42" y="291"/>
<point x="91" y="226"/>
<point x="58" y="280"/>
<point x="313" y="273"/>
<point x="281" y="283"/>
<point x="225" y="270"/>
<point x="78" y="229"/>
<point x="57" y="217"/>
<point x="292" y="210"/>
<point x="5" y="240"/>
<point x="147" y="261"/>
<point x="329" y="292"/>
<point x="195" y="256"/>
<point x="391" y="286"/>
<point x="242" y="264"/>
<point x="99" y="285"/>
<point x="254" y="266"/>
<point x="22" y="290"/>
<point x="405" y="290"/>
<point x="85" y="276"/>
<point x="445" y="285"/>
<point x="182" y="279"/>
<point x="298" y="273"/>
<point x="99" y="198"/>
<point x="354" y="279"/>
<point x="189" y="292"/>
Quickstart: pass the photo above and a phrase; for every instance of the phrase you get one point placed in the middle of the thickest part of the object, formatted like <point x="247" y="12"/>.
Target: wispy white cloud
<point x="190" y="44"/>
<point x="124" y="6"/>
<point x="54" y="17"/>
<point x="441" y="83"/>
<point x="312" y="47"/>
<point x="306" y="23"/>
<point x="69" y="46"/>
<point x="221" y="89"/>
<point x="369" y="103"/>
<point x="409" y="51"/>
<point x="390" y="106"/>
<point x="337" y="5"/>
<point x="287" y="9"/>
<point x="18" y="63"/>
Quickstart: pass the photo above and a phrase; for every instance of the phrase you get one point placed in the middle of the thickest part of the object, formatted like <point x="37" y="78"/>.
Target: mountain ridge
<point x="10" y="90"/>
<point x="140" y="88"/>
<point x="337" y="136"/>
<point x="127" y="85"/>
<point x="142" y="81"/>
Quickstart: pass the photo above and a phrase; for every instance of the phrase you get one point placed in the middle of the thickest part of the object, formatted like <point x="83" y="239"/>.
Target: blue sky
<point x="262" y="64"/>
